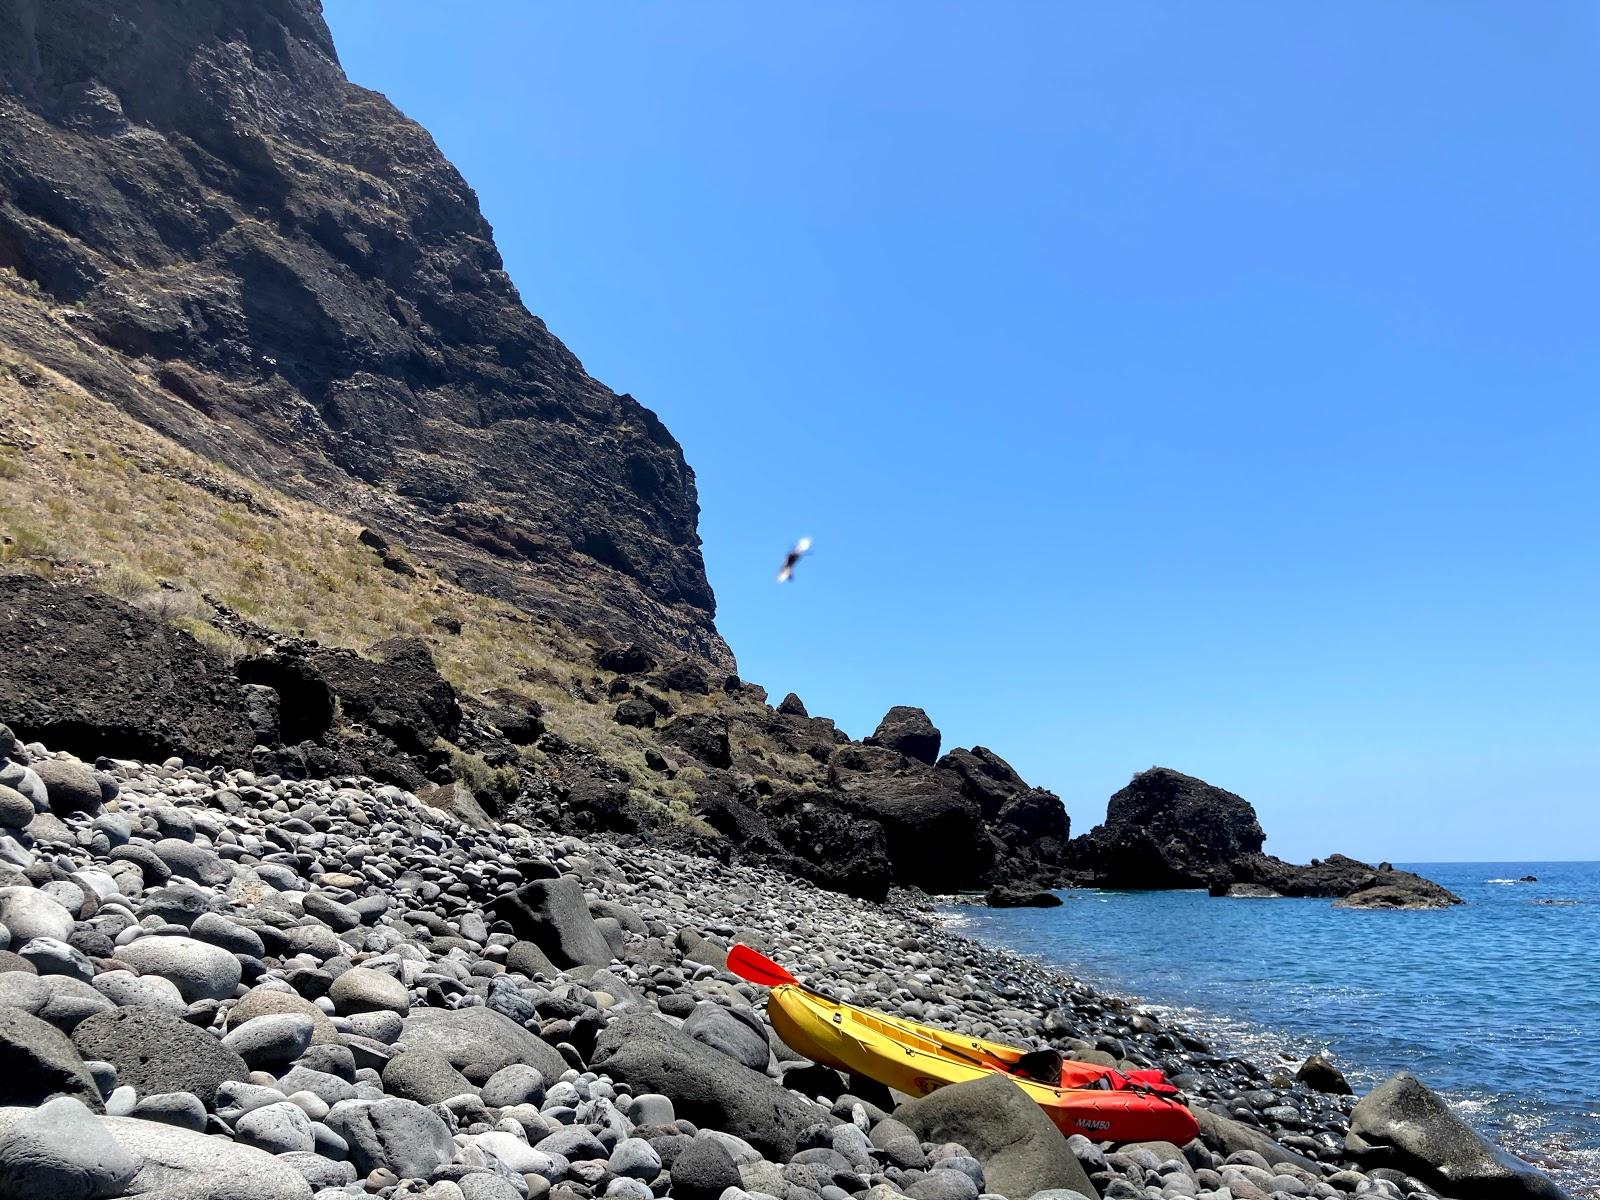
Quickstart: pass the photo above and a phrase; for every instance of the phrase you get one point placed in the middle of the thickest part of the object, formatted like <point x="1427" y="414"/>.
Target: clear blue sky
<point x="1211" y="385"/>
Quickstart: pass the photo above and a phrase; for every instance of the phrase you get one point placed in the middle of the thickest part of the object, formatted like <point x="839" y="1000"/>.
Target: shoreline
<point x="416" y="904"/>
<point x="1248" y="1037"/>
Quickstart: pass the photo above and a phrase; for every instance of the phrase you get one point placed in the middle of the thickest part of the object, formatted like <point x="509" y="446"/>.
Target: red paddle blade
<point x="756" y="967"/>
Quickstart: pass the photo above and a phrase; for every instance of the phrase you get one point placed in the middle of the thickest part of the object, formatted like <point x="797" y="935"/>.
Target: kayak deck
<point x="917" y="1059"/>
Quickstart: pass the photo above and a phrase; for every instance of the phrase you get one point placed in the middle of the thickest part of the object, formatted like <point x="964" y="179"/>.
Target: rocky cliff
<point x="277" y="269"/>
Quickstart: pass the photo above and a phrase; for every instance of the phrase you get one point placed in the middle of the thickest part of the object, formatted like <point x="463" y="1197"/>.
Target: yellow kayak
<point x="1100" y="1103"/>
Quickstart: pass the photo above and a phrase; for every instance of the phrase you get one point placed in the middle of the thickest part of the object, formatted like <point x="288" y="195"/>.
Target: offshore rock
<point x="1356" y="884"/>
<point x="1167" y="829"/>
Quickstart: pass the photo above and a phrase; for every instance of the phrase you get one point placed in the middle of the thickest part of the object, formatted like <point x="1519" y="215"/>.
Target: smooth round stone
<point x="28" y="913"/>
<point x="16" y="810"/>
<point x="272" y="1040"/>
<point x="182" y="1109"/>
<point x="651" y="1108"/>
<point x="516" y="1155"/>
<point x="70" y="786"/>
<point x="122" y="1101"/>
<point x="512" y="1085"/>
<point x="62" y="1151"/>
<point x="51" y="957"/>
<point x="361" y="989"/>
<point x="635" y="1158"/>
<point x="200" y="970"/>
<point x="318" y="1171"/>
<point x="235" y="1098"/>
<point x="234" y="938"/>
<point x="193" y="861"/>
<point x="25" y="780"/>
<point x="125" y="989"/>
<point x="380" y="1026"/>
<point x="281" y="1128"/>
<point x="623" y="1188"/>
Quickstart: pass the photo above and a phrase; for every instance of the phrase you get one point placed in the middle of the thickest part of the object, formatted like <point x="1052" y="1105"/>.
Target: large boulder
<point x="1402" y="1124"/>
<point x="986" y="779"/>
<point x="840" y="849"/>
<point x="29" y="913"/>
<point x="400" y="1135"/>
<point x="424" y="1076"/>
<point x="172" y="1163"/>
<point x="1035" y="822"/>
<point x="1399" y="892"/>
<point x="70" y="785"/>
<point x="91" y="675"/>
<point x="1022" y="1152"/>
<point x="478" y="1041"/>
<point x="554" y="915"/>
<point x="154" y="1052"/>
<point x="703" y="736"/>
<point x="38" y="1061"/>
<point x="907" y="731"/>
<point x="712" y="1090"/>
<point x="200" y="970"/>
<point x="1167" y="829"/>
<point x="935" y="835"/>
<point x="738" y="1033"/>
<point x="62" y="1151"/>
<point x="398" y="691"/>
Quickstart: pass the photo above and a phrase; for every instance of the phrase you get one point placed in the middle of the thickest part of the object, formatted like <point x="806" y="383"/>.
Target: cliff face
<point x="278" y="270"/>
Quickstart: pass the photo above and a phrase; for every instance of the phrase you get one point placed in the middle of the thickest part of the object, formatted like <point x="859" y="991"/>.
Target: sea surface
<point x="1494" y="1003"/>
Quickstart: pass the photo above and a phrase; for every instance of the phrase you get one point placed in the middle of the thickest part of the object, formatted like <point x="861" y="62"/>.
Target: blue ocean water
<point x="1494" y="1003"/>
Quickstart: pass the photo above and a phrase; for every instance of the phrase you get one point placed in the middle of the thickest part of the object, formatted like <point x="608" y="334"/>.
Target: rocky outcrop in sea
<point x="1167" y="829"/>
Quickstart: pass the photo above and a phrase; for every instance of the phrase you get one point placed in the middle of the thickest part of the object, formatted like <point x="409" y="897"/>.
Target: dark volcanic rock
<point x="935" y="834"/>
<point x="1035" y="821"/>
<point x="300" y="266"/>
<point x="1167" y="829"/>
<point x="553" y="915"/>
<point x="711" y="1090"/>
<point x="632" y="659"/>
<point x="839" y="849"/>
<point x="792" y="706"/>
<point x="908" y="731"/>
<point x="92" y="675"/>
<point x="399" y="692"/>
<point x="1021" y="1151"/>
<point x="1402" y="1124"/>
<point x="155" y="1052"/>
<point x="38" y="1061"/>
<point x="702" y="735"/>
<point x="1357" y="884"/>
<point x="1005" y="897"/>
<point x="986" y="779"/>
<point x="305" y="701"/>
<point x="1320" y="1075"/>
<point x="635" y="711"/>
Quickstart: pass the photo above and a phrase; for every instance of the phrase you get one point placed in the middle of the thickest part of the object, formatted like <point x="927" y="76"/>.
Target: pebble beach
<point x="215" y="983"/>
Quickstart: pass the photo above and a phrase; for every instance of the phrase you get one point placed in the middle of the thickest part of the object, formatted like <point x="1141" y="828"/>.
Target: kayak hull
<point x="917" y="1060"/>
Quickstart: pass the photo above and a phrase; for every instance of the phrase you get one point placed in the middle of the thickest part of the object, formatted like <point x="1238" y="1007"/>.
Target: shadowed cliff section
<point x="280" y="271"/>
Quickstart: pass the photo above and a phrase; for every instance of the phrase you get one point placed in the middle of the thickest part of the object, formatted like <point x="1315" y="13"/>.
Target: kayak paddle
<point x="751" y="965"/>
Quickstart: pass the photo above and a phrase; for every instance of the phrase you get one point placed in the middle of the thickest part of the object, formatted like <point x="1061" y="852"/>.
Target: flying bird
<point x="801" y="549"/>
